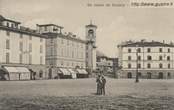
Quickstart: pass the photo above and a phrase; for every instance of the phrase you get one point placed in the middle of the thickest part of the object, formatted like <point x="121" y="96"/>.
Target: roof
<point x="64" y="36"/>
<point x="19" y="30"/>
<point x="91" y="25"/>
<point x="50" y="25"/>
<point x="146" y="44"/>
<point x="5" y="19"/>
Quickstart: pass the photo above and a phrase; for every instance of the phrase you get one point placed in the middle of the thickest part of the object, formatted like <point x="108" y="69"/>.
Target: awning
<point x="65" y="71"/>
<point x="17" y="69"/>
<point x="72" y="71"/>
<point x="22" y="70"/>
<point x="11" y="69"/>
<point x="82" y="71"/>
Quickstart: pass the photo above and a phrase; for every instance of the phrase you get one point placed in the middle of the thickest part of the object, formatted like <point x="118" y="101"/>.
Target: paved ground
<point x="79" y="94"/>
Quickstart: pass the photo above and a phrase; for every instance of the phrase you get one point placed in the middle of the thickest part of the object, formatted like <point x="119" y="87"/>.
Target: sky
<point x="115" y="24"/>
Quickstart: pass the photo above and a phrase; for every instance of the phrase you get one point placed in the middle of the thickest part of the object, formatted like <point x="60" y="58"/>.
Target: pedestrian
<point x="103" y="80"/>
<point x="99" y="83"/>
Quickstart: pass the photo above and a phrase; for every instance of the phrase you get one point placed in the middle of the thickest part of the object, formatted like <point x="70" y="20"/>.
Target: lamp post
<point x="137" y="78"/>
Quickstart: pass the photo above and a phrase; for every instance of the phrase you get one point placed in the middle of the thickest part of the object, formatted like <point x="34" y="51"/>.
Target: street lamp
<point x="137" y="78"/>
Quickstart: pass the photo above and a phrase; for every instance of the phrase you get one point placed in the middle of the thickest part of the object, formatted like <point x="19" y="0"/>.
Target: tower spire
<point x="91" y="22"/>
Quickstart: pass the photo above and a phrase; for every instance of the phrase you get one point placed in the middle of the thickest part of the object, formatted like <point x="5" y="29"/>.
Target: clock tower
<point x="91" y="47"/>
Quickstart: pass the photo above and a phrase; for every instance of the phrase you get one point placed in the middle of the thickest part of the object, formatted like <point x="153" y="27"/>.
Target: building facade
<point x="65" y="53"/>
<point x="45" y="52"/>
<point x="22" y="50"/>
<point x="147" y="59"/>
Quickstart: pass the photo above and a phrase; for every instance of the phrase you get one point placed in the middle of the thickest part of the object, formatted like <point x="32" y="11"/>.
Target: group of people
<point x="101" y="81"/>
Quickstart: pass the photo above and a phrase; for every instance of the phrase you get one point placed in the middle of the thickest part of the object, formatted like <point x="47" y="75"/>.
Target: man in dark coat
<point x="99" y="83"/>
<point x="103" y="84"/>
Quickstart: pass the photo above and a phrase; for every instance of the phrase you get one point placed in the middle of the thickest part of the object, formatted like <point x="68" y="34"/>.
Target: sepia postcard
<point x="86" y="54"/>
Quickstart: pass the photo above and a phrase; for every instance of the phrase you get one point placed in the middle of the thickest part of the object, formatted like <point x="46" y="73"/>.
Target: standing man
<point x="103" y="84"/>
<point x="98" y="81"/>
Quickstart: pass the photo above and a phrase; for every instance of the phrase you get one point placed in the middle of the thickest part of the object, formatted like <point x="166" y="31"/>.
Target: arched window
<point x="160" y="65"/>
<point x="160" y="57"/>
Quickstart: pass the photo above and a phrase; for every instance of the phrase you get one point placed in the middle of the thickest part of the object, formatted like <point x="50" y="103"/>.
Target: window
<point x="169" y="75"/>
<point x="168" y="58"/>
<point x="30" y="47"/>
<point x="21" y="46"/>
<point x="41" y="60"/>
<point x="7" y="57"/>
<point x="139" y="57"/>
<point x="168" y="50"/>
<point x="160" y="50"/>
<point x="168" y="65"/>
<point x="7" y="44"/>
<point x="129" y="65"/>
<point x="148" y="65"/>
<point x="149" y="57"/>
<point x="160" y="65"/>
<point x="30" y="59"/>
<point x="7" y="24"/>
<point x="20" y="58"/>
<point x="129" y="57"/>
<point x="139" y="50"/>
<point x="30" y="37"/>
<point x="86" y="55"/>
<point x="8" y="33"/>
<point x="129" y="50"/>
<point x="41" y="49"/>
<point x="160" y="58"/>
<point x="12" y="25"/>
<point x="139" y="65"/>
<point x="21" y="35"/>
<point x="129" y="75"/>
<point x="148" y="50"/>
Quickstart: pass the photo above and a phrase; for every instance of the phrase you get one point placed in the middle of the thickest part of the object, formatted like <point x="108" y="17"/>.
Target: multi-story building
<point x="45" y="52"/>
<point x="22" y="51"/>
<point x="147" y="59"/>
<point x="65" y="53"/>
